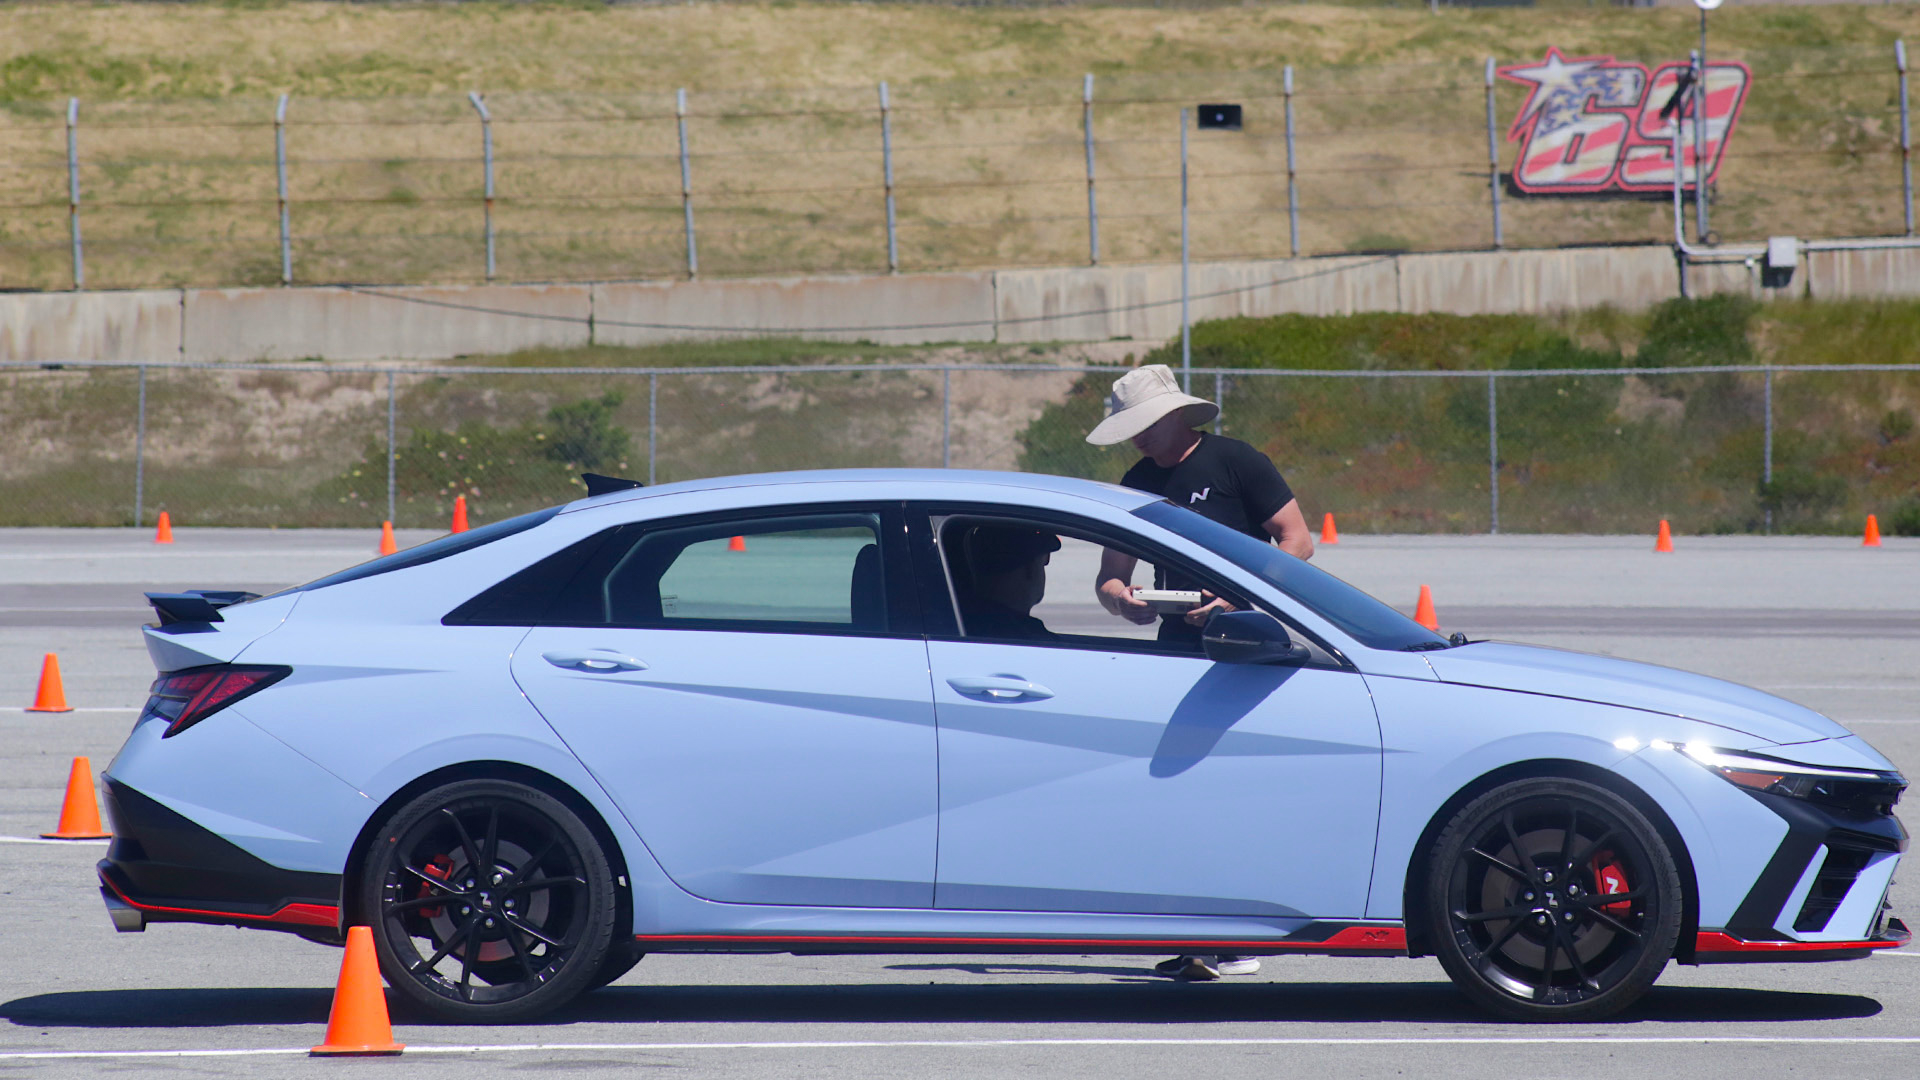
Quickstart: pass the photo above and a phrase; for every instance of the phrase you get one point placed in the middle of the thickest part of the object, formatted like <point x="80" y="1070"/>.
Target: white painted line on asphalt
<point x="962" y="1044"/>
<point x="38" y="840"/>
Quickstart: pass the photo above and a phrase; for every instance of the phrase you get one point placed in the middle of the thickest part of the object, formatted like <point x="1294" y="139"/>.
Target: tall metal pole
<point x="1093" y="208"/>
<point x="686" y="186"/>
<point x="946" y="418"/>
<point x="393" y="451"/>
<point x="140" y="454"/>
<point x="1700" y="134"/>
<point x="1493" y="158"/>
<point x="1906" y="135"/>
<point x="886" y="161"/>
<point x="280" y="161"/>
<point x="1493" y="453"/>
<point x="653" y="402"/>
<point x="1186" y="314"/>
<point x="1219" y="399"/>
<point x="1766" y="443"/>
<point x="73" y="191"/>
<point x="1679" y="214"/>
<point x="486" y="147"/>
<point x="1293" y="178"/>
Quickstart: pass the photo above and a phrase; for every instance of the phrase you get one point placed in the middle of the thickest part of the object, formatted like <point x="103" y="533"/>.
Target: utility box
<point x="1226" y="117"/>
<point x="1783" y="252"/>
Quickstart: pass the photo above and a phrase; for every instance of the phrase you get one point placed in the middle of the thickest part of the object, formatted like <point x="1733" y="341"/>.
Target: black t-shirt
<point x="1224" y="479"/>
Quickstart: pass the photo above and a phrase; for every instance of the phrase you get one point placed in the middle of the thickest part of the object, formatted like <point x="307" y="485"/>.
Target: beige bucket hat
<point x="1140" y="398"/>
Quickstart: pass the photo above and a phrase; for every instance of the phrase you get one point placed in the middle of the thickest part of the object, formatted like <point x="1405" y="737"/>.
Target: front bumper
<point x="162" y="867"/>
<point x="1823" y="894"/>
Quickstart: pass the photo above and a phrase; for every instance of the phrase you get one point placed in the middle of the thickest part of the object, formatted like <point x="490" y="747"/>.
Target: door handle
<point x="1000" y="687"/>
<point x="596" y="663"/>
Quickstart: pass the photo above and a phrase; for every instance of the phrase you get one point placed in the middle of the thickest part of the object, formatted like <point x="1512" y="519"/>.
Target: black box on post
<point x="1226" y="117"/>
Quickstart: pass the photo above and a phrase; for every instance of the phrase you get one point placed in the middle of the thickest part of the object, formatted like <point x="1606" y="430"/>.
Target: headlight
<point x="1864" y="791"/>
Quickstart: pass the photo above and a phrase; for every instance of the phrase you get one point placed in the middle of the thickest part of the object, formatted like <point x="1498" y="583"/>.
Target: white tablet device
<point x="1169" y="601"/>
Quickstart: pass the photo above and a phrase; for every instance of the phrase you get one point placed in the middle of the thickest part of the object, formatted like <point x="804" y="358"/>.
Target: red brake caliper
<point x="438" y="868"/>
<point x="1609" y="878"/>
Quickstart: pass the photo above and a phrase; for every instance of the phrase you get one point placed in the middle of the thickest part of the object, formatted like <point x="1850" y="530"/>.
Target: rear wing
<point x="196" y="605"/>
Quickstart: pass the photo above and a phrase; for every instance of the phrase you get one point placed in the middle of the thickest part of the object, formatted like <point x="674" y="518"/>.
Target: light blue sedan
<point x="884" y="711"/>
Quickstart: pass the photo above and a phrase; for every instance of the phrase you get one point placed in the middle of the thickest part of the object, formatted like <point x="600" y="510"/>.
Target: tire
<point x="1590" y="893"/>
<point x="460" y="948"/>
<point x="620" y="959"/>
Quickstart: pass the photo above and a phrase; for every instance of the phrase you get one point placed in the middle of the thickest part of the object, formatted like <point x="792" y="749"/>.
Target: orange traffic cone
<point x="80" y="813"/>
<point x="52" y="694"/>
<point x="163" y="533"/>
<point x="1329" y="534"/>
<point x="738" y="543"/>
<point x="1423" y="610"/>
<point x="387" y="546"/>
<point x="358" y="1023"/>
<point x="1872" y="539"/>
<point x="1663" y="542"/>
<point x="459" y="514"/>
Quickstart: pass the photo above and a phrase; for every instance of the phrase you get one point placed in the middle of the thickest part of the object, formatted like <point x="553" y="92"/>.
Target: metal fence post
<point x="946" y="418"/>
<point x="280" y="162"/>
<point x="1766" y="443"/>
<point x="1219" y="400"/>
<point x="1093" y="209"/>
<point x="73" y="191"/>
<point x="886" y="160"/>
<point x="686" y="185"/>
<point x="1700" y="143"/>
<point x="140" y="454"/>
<point x="1186" y="315"/>
<point x="1293" y="180"/>
<point x="653" y="401"/>
<point x="1493" y="158"/>
<point x="1906" y="134"/>
<point x="1493" y="453"/>
<point x="393" y="451"/>
<point x="486" y="149"/>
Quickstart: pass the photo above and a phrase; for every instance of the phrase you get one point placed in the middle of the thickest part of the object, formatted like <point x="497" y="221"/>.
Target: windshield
<point x="438" y="548"/>
<point x="1360" y="616"/>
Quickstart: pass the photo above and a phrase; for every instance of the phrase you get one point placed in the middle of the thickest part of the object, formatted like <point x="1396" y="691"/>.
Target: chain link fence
<point x="1719" y="449"/>
<point x="912" y="177"/>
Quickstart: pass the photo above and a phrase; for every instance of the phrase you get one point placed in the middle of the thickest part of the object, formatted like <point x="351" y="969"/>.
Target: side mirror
<point x="1250" y="637"/>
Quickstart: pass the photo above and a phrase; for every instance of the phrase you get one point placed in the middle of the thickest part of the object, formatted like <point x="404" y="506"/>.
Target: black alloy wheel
<point x="1553" y="899"/>
<point x="490" y="902"/>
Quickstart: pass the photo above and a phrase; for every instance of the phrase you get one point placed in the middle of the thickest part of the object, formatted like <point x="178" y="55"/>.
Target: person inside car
<point x="1006" y="568"/>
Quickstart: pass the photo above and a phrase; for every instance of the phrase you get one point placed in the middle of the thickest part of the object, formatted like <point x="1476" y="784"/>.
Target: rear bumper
<point x="161" y="867"/>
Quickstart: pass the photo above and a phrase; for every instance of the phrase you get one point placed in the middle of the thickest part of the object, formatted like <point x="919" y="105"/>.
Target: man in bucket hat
<point x="1221" y="478"/>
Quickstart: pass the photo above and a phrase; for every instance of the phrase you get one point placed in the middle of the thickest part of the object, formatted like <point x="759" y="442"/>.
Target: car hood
<point x="1534" y="669"/>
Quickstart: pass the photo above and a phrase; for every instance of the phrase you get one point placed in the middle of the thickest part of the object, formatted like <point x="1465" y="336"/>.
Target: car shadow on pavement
<point x="1156" y="1001"/>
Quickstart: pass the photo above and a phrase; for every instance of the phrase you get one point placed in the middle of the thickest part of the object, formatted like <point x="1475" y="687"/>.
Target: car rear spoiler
<point x="196" y="605"/>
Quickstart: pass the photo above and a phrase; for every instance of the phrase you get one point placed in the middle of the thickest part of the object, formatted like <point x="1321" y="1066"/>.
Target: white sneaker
<point x="1236" y="965"/>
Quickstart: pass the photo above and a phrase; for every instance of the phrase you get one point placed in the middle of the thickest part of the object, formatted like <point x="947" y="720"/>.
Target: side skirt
<point x="1331" y="939"/>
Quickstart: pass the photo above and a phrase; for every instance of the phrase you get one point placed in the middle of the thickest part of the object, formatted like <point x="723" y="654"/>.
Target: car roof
<point x="923" y="483"/>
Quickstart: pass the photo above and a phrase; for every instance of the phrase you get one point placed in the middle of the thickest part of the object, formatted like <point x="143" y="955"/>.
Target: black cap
<point x="996" y="549"/>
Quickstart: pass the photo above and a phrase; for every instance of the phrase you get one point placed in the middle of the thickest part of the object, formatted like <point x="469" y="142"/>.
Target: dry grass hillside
<point x="178" y="179"/>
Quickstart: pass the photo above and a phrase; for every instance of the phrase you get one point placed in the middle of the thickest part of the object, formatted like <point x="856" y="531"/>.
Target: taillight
<point x="187" y="697"/>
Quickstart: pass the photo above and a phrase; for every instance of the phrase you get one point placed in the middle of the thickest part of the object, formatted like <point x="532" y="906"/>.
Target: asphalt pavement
<point x="1817" y="620"/>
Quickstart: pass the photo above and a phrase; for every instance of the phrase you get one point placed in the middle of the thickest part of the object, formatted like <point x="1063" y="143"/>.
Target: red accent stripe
<point x="1373" y="938"/>
<point x="290" y="915"/>
<point x="1713" y="941"/>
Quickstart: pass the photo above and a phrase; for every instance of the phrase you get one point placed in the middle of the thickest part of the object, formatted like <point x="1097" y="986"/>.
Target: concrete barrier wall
<point x="134" y="326"/>
<point x="1068" y="304"/>
<point x="919" y="308"/>
<point x="397" y="323"/>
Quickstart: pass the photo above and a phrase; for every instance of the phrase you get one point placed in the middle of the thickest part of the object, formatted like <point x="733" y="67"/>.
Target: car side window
<point x="1012" y="580"/>
<point x="803" y="571"/>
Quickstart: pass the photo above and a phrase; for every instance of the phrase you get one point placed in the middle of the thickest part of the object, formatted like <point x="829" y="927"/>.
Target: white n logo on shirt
<point x="1199" y="496"/>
